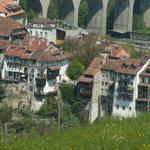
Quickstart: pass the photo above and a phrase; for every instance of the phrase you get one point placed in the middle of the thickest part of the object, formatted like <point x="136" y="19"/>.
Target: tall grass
<point x="106" y="134"/>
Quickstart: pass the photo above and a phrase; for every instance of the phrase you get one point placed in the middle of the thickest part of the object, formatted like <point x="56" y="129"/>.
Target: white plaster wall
<point x="51" y="33"/>
<point x="122" y="103"/>
<point x="49" y="87"/>
<point x="63" y="67"/>
<point x="94" y="110"/>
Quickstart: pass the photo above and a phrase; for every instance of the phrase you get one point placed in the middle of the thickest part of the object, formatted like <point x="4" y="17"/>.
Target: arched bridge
<point x="97" y="17"/>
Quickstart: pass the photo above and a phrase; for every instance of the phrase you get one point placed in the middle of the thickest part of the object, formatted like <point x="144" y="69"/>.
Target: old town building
<point x="115" y="86"/>
<point x="36" y="62"/>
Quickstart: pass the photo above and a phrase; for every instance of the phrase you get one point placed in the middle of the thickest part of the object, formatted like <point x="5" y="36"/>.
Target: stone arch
<point x="145" y="8"/>
<point x="53" y="10"/>
<point x="97" y="16"/>
<point x="94" y="18"/>
<point x="110" y="14"/>
<point x="45" y="4"/>
<point x="66" y="12"/>
<point x="123" y="16"/>
<point x="83" y="13"/>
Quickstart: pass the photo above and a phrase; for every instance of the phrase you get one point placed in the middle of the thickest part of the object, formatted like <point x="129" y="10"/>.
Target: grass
<point x="106" y="134"/>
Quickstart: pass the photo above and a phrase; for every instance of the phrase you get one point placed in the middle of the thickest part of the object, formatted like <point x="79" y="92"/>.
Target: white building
<point x="42" y="27"/>
<point x="114" y="86"/>
<point x="38" y="63"/>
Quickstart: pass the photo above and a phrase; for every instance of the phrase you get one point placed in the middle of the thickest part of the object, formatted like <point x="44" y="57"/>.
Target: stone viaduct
<point x="97" y="17"/>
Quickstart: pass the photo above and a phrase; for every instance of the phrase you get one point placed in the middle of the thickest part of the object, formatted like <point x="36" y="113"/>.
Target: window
<point x="9" y="74"/>
<point x="117" y="106"/>
<point x="130" y="108"/>
<point x="31" y="32"/>
<point x="45" y="33"/>
<point x="102" y="82"/>
<point x="123" y="107"/>
<point x="36" y="33"/>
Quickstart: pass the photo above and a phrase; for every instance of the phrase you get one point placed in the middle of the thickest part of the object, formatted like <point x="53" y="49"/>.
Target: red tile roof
<point x="85" y="79"/>
<point x="94" y="66"/>
<point x="53" y="68"/>
<point x="8" y="25"/>
<point x="120" y="52"/>
<point x="6" y="5"/>
<point x="15" y="51"/>
<point x="128" y="66"/>
<point x="4" y="44"/>
<point x="41" y="51"/>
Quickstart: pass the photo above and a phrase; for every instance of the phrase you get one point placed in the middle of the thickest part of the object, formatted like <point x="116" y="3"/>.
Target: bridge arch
<point x="145" y="8"/>
<point x="97" y="16"/>
<point x="45" y="4"/>
<point x="66" y="11"/>
<point x="123" y="20"/>
<point x="53" y="10"/>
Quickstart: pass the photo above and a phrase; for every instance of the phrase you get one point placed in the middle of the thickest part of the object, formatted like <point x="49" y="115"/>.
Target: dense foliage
<point x="84" y="49"/>
<point x="75" y="70"/>
<point x="32" y="8"/>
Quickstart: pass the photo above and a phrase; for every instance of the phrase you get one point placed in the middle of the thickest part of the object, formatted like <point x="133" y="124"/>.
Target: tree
<point x="49" y="108"/>
<point x="53" y="10"/>
<point x="75" y="70"/>
<point x="83" y="13"/>
<point x="5" y="116"/>
<point x="2" y="91"/>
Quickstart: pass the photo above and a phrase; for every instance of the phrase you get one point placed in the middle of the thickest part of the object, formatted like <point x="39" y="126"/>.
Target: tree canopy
<point x="75" y="70"/>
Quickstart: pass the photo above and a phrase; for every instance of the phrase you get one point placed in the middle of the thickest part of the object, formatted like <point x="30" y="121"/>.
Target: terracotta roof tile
<point x="85" y="79"/>
<point x="94" y="66"/>
<point x="4" y="44"/>
<point x="8" y="25"/>
<point x="120" y="52"/>
<point x="53" y="68"/>
<point x="10" y="8"/>
<point x="14" y="50"/>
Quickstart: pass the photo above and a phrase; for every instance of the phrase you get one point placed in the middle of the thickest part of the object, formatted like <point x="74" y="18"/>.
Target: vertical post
<point x="148" y="99"/>
<point x="131" y="5"/>
<point x="76" y="5"/>
<point x="104" y="17"/>
<point x="45" y="5"/>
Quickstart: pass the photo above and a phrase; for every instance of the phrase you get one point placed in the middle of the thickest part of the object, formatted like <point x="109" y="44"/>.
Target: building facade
<point x="42" y="27"/>
<point x="37" y="63"/>
<point x="117" y="86"/>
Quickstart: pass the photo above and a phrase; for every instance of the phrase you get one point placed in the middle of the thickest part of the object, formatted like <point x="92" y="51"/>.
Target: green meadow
<point x="105" y="134"/>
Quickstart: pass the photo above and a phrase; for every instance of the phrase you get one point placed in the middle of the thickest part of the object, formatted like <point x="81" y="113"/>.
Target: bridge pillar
<point x="97" y="16"/>
<point x="45" y="5"/>
<point x="76" y="4"/>
<point x="123" y="20"/>
<point x="69" y="10"/>
<point x="145" y="8"/>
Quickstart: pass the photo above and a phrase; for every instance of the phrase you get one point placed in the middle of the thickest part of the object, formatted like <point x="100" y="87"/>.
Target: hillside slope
<point x="108" y="134"/>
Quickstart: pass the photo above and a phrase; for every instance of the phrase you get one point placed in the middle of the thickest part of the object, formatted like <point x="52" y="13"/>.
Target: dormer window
<point x="133" y="66"/>
<point x="148" y="70"/>
<point x="125" y="65"/>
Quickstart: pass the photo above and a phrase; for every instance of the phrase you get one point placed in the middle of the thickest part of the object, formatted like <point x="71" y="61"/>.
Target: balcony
<point x="40" y="81"/>
<point x="111" y="82"/>
<point x="144" y="85"/>
<point x="53" y="92"/>
<point x="13" y="69"/>
<point x="86" y="92"/>
<point x="52" y="72"/>
<point x="142" y="99"/>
